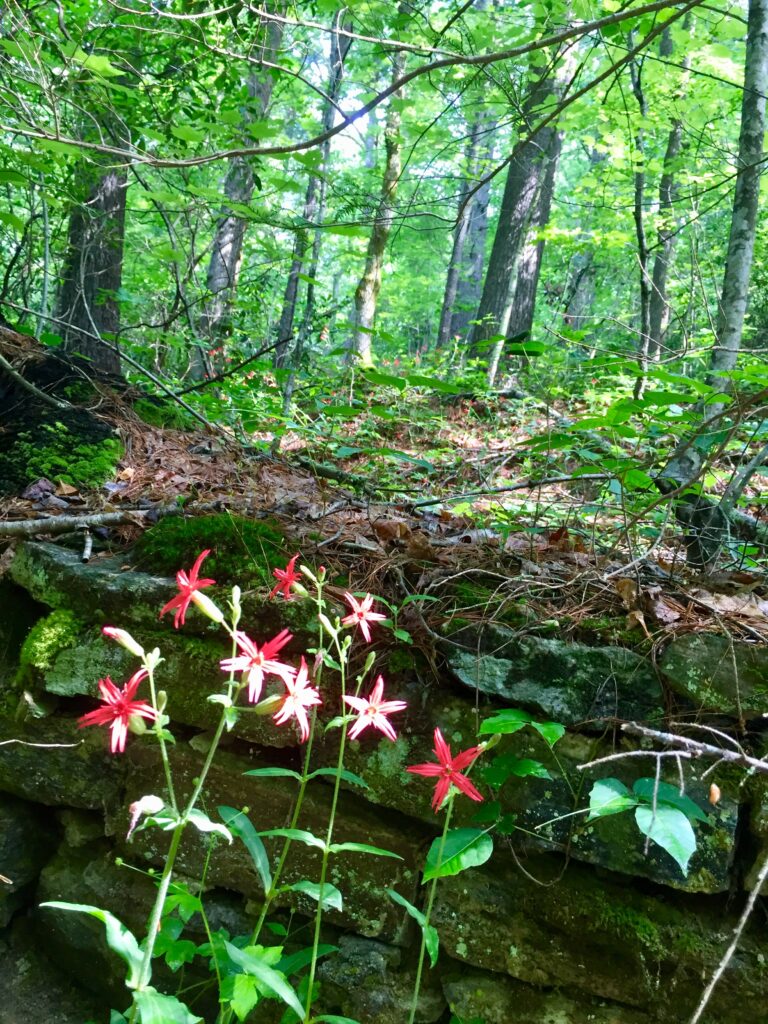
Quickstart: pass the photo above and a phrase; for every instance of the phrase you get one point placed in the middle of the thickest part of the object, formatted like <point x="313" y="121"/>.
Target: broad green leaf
<point x="669" y="795"/>
<point x="375" y="851"/>
<point x="293" y="963"/>
<point x="504" y="723"/>
<point x="203" y="823"/>
<point x="11" y="220"/>
<point x="464" y="848"/>
<point x="297" y="834"/>
<point x="332" y="898"/>
<point x="244" y="996"/>
<point x="239" y="823"/>
<point x="187" y="134"/>
<point x="156" y="1008"/>
<point x="274" y="773"/>
<point x="505" y="765"/>
<point x="343" y="774"/>
<point x="12" y="178"/>
<point x="550" y="731"/>
<point x="431" y="937"/>
<point x="385" y="379"/>
<point x="269" y="978"/>
<point x="609" y="796"/>
<point x="117" y="1018"/>
<point x="119" y="939"/>
<point x="670" y="829"/>
<point x="333" y="1018"/>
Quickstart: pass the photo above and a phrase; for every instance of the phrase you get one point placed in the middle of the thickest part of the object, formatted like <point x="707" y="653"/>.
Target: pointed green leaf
<point x="332" y="898"/>
<point x="156" y="1008"/>
<point x="504" y="723"/>
<point x="609" y="796"/>
<point x="669" y="795"/>
<point x="550" y="731"/>
<point x="269" y="978"/>
<point x="345" y="775"/>
<point x="298" y="834"/>
<point x="274" y="773"/>
<point x="119" y="939"/>
<point x="464" y="848"/>
<point x="670" y="829"/>
<point x="296" y="961"/>
<point x="431" y="937"/>
<point x="203" y="823"/>
<point x="239" y="823"/>
<point x="375" y="851"/>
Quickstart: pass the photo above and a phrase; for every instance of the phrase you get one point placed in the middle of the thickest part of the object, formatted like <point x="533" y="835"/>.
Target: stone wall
<point x="568" y="923"/>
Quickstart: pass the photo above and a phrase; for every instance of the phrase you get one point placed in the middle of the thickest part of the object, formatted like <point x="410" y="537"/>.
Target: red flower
<point x="448" y="771"/>
<point x="188" y="586"/>
<point x="361" y="614"/>
<point x="118" y="708"/>
<point x="286" y="577"/>
<point x="373" y="711"/>
<point x="300" y="696"/>
<point x="257" y="663"/>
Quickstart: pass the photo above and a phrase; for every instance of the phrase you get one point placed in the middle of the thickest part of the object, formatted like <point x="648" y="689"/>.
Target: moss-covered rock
<point x="48" y="637"/>
<point x="570" y="683"/>
<point x="27" y="838"/>
<point x="243" y="551"/>
<point x="718" y="674"/>
<point x="59" y="449"/>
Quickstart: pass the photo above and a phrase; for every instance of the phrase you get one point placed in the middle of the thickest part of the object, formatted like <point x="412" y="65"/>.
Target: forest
<point x="450" y="316"/>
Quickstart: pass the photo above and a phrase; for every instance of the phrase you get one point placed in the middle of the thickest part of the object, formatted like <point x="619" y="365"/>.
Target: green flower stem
<point x="158" y="731"/>
<point x="157" y="910"/>
<point x="428" y="914"/>
<point x="342" y="652"/>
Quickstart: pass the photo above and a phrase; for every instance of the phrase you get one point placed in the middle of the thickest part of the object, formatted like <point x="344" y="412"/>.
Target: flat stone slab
<point x="717" y="674"/>
<point x="571" y="683"/>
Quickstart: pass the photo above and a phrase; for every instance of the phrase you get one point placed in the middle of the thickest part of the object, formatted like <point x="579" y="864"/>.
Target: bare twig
<point x="28" y="386"/>
<point x="64" y="524"/>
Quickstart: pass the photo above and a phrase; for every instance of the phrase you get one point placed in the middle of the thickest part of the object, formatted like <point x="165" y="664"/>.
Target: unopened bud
<point x="207" y="607"/>
<point x="137" y="724"/>
<point x="369" y="661"/>
<point x="124" y="638"/>
<point x="147" y="805"/>
<point x="268" y="705"/>
<point x="162" y="701"/>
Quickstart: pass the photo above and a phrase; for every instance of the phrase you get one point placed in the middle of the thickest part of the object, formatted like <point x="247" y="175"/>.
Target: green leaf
<point x="504" y="723"/>
<point x="667" y="794"/>
<point x="504" y="765"/>
<point x="244" y="996"/>
<point x="670" y="829"/>
<point x="239" y="823"/>
<point x="156" y="1008"/>
<point x="333" y="1018"/>
<point x="343" y="774"/>
<point x="203" y="823"/>
<point x="266" y="975"/>
<point x="385" y="379"/>
<point x="293" y="963"/>
<point x="274" y="773"/>
<point x="431" y="937"/>
<point x="464" y="848"/>
<point x="609" y="796"/>
<point x="12" y="178"/>
<point x="187" y="133"/>
<point x="375" y="851"/>
<point x="12" y="220"/>
<point x="550" y="731"/>
<point x="332" y="898"/>
<point x="297" y="834"/>
<point x="119" y="939"/>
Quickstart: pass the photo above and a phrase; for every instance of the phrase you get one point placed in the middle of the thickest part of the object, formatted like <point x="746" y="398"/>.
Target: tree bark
<point x="314" y="202"/>
<point x="658" y="320"/>
<point x="522" y="299"/>
<point x="367" y="291"/>
<point x="638" y="177"/>
<point x="226" y="251"/>
<point x="741" y="242"/>
<point x="524" y="178"/>
<point x="93" y="268"/>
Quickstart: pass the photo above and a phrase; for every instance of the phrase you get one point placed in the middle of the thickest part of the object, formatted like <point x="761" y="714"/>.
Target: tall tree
<point x="369" y="286"/>
<point x="87" y="307"/>
<point x="314" y="199"/>
<point x="227" y="247"/>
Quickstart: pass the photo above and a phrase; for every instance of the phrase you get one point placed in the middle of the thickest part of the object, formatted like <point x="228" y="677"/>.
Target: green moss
<point x="55" y="455"/>
<point x="46" y="639"/>
<point x="159" y="413"/>
<point x="243" y="551"/>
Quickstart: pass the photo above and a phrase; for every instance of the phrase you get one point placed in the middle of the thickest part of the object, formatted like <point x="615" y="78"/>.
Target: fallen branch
<point x="65" y="524"/>
<point x="28" y="386"/>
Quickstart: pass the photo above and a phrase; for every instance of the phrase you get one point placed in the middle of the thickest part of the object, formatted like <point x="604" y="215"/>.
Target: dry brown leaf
<point x="626" y="588"/>
<point x="389" y="530"/>
<point x="744" y="606"/>
<point x="636" y="620"/>
<point x="65" y="490"/>
<point x="419" y="548"/>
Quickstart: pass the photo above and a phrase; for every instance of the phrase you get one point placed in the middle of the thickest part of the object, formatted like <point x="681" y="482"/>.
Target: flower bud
<point x="137" y="724"/>
<point x="125" y="640"/>
<point x="268" y="705"/>
<point x="207" y="607"/>
<point x="147" y="805"/>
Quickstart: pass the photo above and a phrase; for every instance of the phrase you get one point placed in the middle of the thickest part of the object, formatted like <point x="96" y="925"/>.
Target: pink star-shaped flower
<point x="255" y="663"/>
<point x="299" y="697"/>
<point x="118" y="708"/>
<point x="373" y="711"/>
<point x="188" y="587"/>
<point x="448" y="771"/>
<point x="286" y="578"/>
<point x="361" y="614"/>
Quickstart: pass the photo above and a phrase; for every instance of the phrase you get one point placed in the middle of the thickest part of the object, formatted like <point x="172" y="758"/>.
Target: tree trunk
<point x="741" y="243"/>
<point x="367" y="291"/>
<point x="524" y="177"/>
<point x="710" y="525"/>
<point x="226" y="251"/>
<point x="522" y="299"/>
<point x="314" y="203"/>
<point x="470" y="283"/>
<point x="658" y="318"/>
<point x="636" y="71"/>
<point x="460" y="234"/>
<point x="92" y="274"/>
